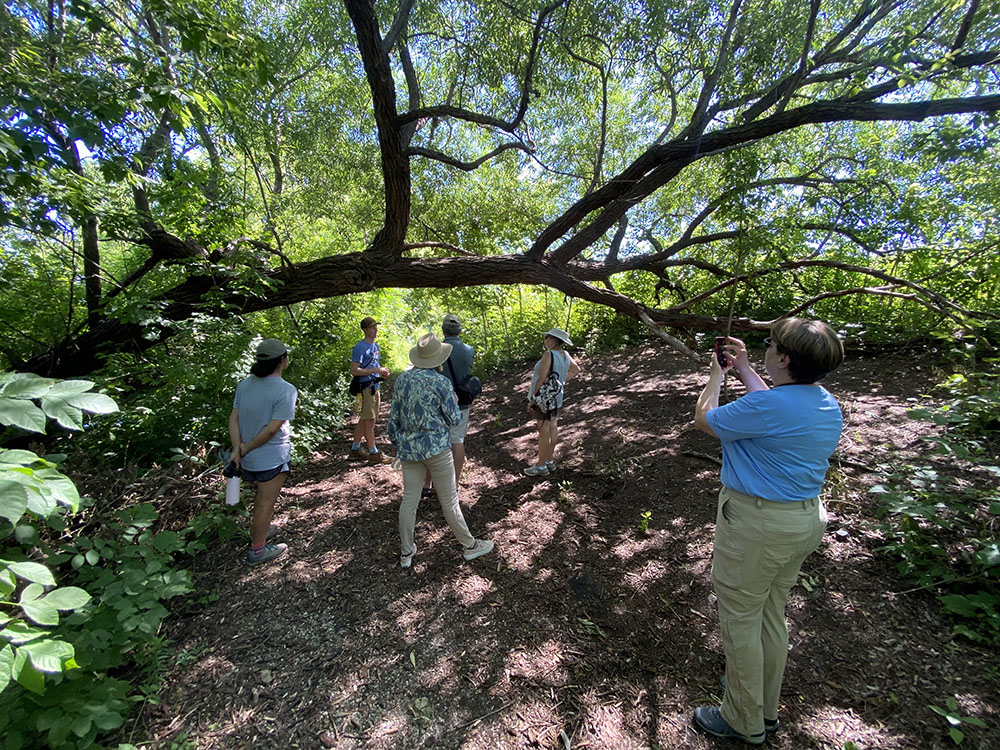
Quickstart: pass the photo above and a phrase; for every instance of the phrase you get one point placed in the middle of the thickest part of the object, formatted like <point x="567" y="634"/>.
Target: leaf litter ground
<point x="580" y="630"/>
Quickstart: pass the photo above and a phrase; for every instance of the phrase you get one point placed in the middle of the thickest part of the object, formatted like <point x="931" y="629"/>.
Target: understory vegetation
<point x="180" y="180"/>
<point x="942" y="514"/>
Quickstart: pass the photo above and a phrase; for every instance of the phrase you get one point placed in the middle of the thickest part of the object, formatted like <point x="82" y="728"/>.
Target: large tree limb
<point x="395" y="165"/>
<point x="659" y="164"/>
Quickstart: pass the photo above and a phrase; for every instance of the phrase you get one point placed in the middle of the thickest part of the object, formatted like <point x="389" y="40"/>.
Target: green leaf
<point x="26" y="385"/>
<point x="95" y="403"/>
<point x="956" y="735"/>
<point x="40" y="612"/>
<point x="64" y="413"/>
<point x="69" y="597"/>
<point x="59" y="488"/>
<point x="7" y="582"/>
<point x="92" y="557"/>
<point x="70" y="387"/>
<point x="166" y="541"/>
<point x="32" y="571"/>
<point x="26" y="674"/>
<point x="48" y="655"/>
<point x="23" y="414"/>
<point x="13" y="500"/>
<point x="24" y="458"/>
<point x="21" y="632"/>
<point x="6" y="666"/>
<point x="31" y="592"/>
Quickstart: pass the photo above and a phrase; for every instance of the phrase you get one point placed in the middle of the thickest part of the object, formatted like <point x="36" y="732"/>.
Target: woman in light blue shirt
<point x="424" y="408"/>
<point x="776" y="446"/>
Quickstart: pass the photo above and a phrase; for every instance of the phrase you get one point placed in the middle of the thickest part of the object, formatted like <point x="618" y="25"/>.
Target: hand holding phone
<point x="720" y="351"/>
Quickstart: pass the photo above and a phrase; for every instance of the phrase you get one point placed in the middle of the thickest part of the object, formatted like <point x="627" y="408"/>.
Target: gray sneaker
<point x="478" y="549"/>
<point x="551" y="466"/>
<point x="405" y="561"/>
<point x="536" y="471"/>
<point x="267" y="554"/>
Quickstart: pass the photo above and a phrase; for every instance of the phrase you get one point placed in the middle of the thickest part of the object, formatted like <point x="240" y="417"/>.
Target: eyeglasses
<point x="767" y="342"/>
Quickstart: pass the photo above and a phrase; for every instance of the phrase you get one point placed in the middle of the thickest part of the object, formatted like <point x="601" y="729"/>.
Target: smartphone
<point x="720" y="352"/>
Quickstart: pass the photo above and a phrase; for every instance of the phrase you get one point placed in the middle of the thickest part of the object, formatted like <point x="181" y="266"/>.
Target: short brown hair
<point x="812" y="347"/>
<point x="368" y="322"/>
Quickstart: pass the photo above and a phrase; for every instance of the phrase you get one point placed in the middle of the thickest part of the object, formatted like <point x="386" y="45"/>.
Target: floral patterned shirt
<point x="424" y="407"/>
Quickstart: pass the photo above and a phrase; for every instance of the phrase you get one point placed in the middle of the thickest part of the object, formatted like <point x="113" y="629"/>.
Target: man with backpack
<point x="458" y="369"/>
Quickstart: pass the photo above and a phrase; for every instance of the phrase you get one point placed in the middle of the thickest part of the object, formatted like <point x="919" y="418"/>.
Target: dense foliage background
<point x="179" y="180"/>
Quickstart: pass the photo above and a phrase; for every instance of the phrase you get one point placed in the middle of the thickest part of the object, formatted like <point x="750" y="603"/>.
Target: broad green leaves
<point x="30" y="601"/>
<point x="65" y="401"/>
<point x="30" y="650"/>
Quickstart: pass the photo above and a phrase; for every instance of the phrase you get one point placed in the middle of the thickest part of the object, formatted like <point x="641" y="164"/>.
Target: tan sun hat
<point x="429" y="352"/>
<point x="559" y="333"/>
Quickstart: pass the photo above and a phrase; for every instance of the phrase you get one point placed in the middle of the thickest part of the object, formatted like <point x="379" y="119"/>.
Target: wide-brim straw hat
<point x="560" y="334"/>
<point x="429" y="352"/>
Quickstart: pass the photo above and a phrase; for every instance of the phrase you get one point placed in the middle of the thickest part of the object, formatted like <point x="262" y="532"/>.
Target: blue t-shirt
<point x="260" y="400"/>
<point x="460" y="359"/>
<point x="776" y="444"/>
<point x="367" y="355"/>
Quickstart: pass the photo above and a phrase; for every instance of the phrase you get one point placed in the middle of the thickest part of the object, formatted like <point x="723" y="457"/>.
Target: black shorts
<point x="537" y="413"/>
<point x="264" y="476"/>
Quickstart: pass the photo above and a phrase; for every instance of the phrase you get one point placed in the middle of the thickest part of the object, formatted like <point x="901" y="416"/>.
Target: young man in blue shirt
<point x="366" y="365"/>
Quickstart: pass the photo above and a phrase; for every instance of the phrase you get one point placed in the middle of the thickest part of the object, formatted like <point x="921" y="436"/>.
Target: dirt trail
<point x="581" y="631"/>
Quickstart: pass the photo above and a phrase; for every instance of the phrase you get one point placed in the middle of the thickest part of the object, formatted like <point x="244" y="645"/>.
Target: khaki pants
<point x="759" y="549"/>
<point x="442" y="471"/>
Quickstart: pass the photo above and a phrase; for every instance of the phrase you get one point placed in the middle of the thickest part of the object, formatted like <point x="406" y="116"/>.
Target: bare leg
<point x="263" y="508"/>
<point x="543" y="436"/>
<point x="548" y="434"/>
<point x="364" y="431"/>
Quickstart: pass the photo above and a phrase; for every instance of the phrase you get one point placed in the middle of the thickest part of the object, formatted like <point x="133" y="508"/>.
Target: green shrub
<point x="941" y="517"/>
<point x="64" y="649"/>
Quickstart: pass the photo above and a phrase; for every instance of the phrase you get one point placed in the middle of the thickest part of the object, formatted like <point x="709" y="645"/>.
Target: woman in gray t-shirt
<point x="261" y="438"/>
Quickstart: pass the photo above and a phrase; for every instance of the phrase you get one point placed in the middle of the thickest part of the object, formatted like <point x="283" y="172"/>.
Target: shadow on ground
<point x="581" y="630"/>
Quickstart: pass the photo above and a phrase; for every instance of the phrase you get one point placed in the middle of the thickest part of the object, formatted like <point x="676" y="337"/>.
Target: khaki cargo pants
<point x="759" y="548"/>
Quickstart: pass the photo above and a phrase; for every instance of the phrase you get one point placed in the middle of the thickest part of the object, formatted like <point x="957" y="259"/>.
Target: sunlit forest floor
<point x="581" y="630"/>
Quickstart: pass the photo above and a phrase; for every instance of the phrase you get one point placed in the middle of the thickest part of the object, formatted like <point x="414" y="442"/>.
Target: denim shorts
<point x="264" y="476"/>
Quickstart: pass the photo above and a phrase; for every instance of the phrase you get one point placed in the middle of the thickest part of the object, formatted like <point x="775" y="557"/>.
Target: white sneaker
<point x="478" y="549"/>
<point x="536" y="471"/>
<point x="406" y="561"/>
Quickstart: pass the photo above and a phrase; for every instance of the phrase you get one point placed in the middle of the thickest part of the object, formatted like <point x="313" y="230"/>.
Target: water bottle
<point x="232" y="490"/>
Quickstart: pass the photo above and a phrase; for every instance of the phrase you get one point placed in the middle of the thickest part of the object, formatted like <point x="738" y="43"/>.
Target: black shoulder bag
<point x="468" y="389"/>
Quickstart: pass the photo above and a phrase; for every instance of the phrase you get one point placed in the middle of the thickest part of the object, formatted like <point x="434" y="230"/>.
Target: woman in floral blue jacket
<point x="424" y="407"/>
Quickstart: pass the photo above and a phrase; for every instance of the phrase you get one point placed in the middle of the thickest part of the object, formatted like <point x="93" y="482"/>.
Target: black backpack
<point x="468" y="389"/>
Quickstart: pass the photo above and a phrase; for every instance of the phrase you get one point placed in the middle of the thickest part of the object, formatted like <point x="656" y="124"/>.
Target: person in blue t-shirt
<point x="457" y="368"/>
<point x="366" y="365"/>
<point x="261" y="440"/>
<point x="776" y="446"/>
